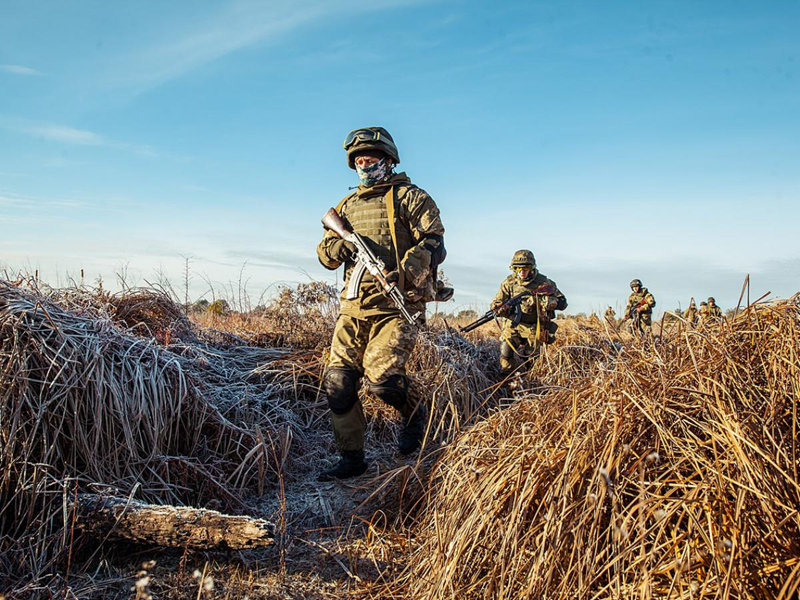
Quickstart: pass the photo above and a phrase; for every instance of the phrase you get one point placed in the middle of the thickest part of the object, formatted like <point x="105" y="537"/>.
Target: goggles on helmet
<point x="361" y="135"/>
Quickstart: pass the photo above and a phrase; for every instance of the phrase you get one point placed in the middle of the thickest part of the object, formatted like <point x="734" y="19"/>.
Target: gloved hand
<point x="549" y="303"/>
<point x="641" y="309"/>
<point x="342" y="250"/>
<point x="500" y="309"/>
<point x="393" y="277"/>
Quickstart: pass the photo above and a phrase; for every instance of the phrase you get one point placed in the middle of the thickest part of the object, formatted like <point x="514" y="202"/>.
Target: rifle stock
<point x="331" y="220"/>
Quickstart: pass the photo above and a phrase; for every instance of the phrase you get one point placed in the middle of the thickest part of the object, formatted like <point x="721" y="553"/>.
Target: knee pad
<point x="506" y="351"/>
<point x="393" y="390"/>
<point x="340" y="386"/>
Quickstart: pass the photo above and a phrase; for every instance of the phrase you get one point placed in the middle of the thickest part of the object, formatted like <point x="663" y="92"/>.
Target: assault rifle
<point x="514" y="303"/>
<point x="634" y="313"/>
<point x="365" y="260"/>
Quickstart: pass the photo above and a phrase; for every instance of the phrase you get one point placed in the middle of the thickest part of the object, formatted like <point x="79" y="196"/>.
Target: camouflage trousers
<point x="643" y="324"/>
<point x="518" y="345"/>
<point x="377" y="347"/>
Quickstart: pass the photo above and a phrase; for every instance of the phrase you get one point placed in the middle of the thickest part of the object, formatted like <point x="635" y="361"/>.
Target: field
<point x="617" y="467"/>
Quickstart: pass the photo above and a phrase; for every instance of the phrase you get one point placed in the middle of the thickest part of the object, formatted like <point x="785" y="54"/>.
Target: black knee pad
<point x="393" y="390"/>
<point x="340" y="386"/>
<point x="506" y="351"/>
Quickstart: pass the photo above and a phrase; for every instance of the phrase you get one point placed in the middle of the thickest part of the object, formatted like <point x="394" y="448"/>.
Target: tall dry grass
<point x="667" y="470"/>
<point x="90" y="401"/>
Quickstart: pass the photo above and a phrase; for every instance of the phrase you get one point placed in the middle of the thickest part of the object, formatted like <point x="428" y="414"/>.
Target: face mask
<point x="374" y="173"/>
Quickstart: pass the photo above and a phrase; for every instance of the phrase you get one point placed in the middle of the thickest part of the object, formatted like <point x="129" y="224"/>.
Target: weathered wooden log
<point x="109" y="517"/>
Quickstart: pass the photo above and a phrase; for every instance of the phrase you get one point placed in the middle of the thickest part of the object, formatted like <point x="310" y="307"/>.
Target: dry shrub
<point x="301" y="317"/>
<point x="86" y="406"/>
<point x="670" y="471"/>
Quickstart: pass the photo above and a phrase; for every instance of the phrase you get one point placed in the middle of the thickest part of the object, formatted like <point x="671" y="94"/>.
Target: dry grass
<point x="668" y="471"/>
<point x="621" y="468"/>
<point x="86" y="403"/>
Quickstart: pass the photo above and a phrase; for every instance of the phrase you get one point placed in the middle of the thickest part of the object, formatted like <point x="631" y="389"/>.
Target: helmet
<point x="523" y="258"/>
<point x="703" y="304"/>
<point x="711" y="299"/>
<point x="636" y="282"/>
<point x="369" y="138"/>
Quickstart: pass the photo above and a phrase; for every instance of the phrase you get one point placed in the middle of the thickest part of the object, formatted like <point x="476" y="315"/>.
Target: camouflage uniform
<point x="610" y="316"/>
<point x="702" y="314"/>
<point x="714" y="311"/>
<point x="371" y="338"/>
<point x="521" y="342"/>
<point x="690" y="314"/>
<point x="642" y="299"/>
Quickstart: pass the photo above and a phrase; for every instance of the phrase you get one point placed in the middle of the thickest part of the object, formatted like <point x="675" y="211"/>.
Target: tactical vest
<point x="368" y="214"/>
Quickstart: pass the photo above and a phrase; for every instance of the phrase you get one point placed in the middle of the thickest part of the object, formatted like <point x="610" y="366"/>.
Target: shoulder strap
<point x="342" y="203"/>
<point x="389" y="197"/>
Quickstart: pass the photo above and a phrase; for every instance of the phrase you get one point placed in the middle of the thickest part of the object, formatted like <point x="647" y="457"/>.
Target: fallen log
<point x="110" y="517"/>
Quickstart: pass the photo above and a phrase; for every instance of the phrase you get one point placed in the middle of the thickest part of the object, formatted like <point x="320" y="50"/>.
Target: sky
<point x="616" y="140"/>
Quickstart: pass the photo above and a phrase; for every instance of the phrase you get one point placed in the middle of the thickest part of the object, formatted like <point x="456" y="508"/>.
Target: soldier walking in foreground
<point x="640" y="307"/>
<point x="400" y="224"/>
<point x="522" y="337"/>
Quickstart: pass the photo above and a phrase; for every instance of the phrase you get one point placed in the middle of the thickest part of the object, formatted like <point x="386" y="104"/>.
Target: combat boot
<point x="413" y="431"/>
<point x="352" y="464"/>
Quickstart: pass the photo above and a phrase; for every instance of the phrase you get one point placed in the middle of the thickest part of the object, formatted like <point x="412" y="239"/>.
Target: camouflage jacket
<point x="690" y="314"/>
<point x="534" y="306"/>
<point x="714" y="312"/>
<point x="416" y="218"/>
<point x="643" y="297"/>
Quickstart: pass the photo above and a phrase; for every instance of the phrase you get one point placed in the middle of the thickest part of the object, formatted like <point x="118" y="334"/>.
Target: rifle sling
<point x="389" y="197"/>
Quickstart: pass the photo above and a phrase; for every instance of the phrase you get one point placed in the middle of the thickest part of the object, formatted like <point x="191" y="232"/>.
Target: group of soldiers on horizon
<point x="388" y="235"/>
<point x="639" y="310"/>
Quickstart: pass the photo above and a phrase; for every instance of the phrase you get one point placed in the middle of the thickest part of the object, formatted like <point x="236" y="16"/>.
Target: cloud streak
<point x="64" y="134"/>
<point x="19" y="70"/>
<point x="239" y="25"/>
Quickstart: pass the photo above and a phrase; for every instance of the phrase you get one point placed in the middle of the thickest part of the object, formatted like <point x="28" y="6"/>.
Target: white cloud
<point x="238" y="25"/>
<point x="62" y="133"/>
<point x="19" y="70"/>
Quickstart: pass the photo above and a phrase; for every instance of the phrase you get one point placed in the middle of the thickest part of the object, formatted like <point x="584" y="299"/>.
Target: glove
<point x="550" y="303"/>
<point x="342" y="250"/>
<point x="393" y="277"/>
<point x="501" y="310"/>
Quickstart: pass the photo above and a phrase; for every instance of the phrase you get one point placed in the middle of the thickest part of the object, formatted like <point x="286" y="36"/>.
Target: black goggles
<point x="362" y="135"/>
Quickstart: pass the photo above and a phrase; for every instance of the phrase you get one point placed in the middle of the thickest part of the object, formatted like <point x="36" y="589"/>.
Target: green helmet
<point x="711" y="300"/>
<point x="523" y="258"/>
<point x="636" y="282"/>
<point x="370" y="138"/>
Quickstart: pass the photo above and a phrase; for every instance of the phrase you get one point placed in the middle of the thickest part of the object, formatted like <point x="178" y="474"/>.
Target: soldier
<point x="610" y="316"/>
<point x="702" y="314"/>
<point x="536" y="325"/>
<point x="690" y="315"/>
<point x="401" y="223"/>
<point x="640" y="307"/>
<point x="714" y="311"/>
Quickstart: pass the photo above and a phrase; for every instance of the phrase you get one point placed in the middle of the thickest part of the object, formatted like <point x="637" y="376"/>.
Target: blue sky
<point x="658" y="140"/>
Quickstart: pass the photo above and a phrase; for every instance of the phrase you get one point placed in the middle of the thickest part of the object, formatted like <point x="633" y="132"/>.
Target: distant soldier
<point x="714" y="311"/>
<point x="702" y="314"/>
<point x="401" y="224"/>
<point x="536" y="327"/>
<point x="640" y="307"/>
<point x="610" y="316"/>
<point x="690" y="314"/>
